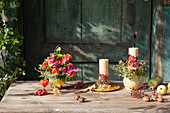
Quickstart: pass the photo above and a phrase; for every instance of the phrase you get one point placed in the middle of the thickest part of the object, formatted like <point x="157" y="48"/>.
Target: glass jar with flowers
<point x="132" y="70"/>
<point x="57" y="68"/>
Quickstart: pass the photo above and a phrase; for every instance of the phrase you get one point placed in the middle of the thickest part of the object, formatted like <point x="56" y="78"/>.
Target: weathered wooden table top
<point x="20" y="98"/>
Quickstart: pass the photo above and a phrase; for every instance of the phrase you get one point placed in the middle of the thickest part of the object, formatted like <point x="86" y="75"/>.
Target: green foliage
<point x="10" y="43"/>
<point x="128" y="71"/>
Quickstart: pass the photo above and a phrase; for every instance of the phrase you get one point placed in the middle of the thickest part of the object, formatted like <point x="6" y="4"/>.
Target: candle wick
<point x="134" y="44"/>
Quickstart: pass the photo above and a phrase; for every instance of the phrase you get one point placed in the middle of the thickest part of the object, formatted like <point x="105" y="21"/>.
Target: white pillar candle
<point x="103" y="66"/>
<point x="133" y="51"/>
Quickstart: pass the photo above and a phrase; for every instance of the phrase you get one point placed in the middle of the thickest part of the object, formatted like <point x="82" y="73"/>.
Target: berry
<point x="39" y="93"/>
<point x="40" y="90"/>
<point x="36" y="93"/>
<point x="43" y="90"/>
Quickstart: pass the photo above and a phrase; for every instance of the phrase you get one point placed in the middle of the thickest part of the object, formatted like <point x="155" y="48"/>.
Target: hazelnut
<point x="160" y="99"/>
<point x="81" y="99"/>
<point x="77" y="97"/>
<point x="146" y="99"/>
<point x="154" y="97"/>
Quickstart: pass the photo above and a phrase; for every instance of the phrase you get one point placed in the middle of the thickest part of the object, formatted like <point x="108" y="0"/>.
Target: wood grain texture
<point x="19" y="98"/>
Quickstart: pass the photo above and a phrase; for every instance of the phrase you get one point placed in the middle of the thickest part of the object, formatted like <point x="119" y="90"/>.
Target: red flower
<point x="53" y="55"/>
<point x="55" y="70"/>
<point x="49" y="69"/>
<point x="142" y="67"/>
<point x="132" y="58"/>
<point x="66" y="59"/>
<point x="108" y="82"/>
<point x="103" y="77"/>
<point x="44" y="64"/>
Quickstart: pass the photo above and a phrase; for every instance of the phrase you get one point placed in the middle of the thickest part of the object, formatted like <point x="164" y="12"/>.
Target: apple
<point x="153" y="83"/>
<point x="169" y="86"/>
<point x="161" y="89"/>
<point x="160" y="80"/>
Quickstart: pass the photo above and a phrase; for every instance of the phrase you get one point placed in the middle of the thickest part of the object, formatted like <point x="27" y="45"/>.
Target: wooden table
<point x="20" y="98"/>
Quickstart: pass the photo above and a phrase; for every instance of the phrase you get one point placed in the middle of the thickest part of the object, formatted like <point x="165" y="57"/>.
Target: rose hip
<point x="36" y="93"/>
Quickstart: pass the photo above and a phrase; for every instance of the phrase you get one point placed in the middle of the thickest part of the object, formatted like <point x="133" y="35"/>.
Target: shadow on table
<point x="164" y="109"/>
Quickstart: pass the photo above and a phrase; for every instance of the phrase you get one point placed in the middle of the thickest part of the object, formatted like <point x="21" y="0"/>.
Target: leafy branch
<point x="10" y="47"/>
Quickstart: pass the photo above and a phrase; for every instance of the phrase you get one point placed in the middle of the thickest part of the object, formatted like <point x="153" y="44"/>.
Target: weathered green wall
<point x="160" y="40"/>
<point x="166" y="66"/>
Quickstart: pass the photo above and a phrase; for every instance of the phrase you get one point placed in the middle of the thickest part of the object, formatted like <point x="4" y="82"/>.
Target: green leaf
<point x="1" y="35"/>
<point x="3" y="47"/>
<point x="17" y="4"/>
<point x="11" y="33"/>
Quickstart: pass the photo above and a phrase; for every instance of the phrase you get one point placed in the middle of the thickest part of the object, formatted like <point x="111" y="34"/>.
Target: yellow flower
<point x="122" y="62"/>
<point x="59" y="82"/>
<point x="131" y="68"/>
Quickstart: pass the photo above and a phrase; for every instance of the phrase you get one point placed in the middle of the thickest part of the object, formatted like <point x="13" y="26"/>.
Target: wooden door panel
<point x="101" y="20"/>
<point x="62" y="21"/>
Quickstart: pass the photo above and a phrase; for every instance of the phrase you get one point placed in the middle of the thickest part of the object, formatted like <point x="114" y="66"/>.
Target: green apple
<point x="161" y="89"/>
<point x="160" y="80"/>
<point x="169" y="86"/>
<point x="153" y="83"/>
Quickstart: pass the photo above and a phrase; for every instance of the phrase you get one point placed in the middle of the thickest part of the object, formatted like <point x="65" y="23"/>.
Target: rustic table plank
<point x="20" y="98"/>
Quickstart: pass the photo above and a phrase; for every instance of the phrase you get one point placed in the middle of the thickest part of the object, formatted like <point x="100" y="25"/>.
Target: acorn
<point x="154" y="97"/>
<point x="81" y="99"/>
<point x="146" y="99"/>
<point x="77" y="97"/>
<point x="160" y="99"/>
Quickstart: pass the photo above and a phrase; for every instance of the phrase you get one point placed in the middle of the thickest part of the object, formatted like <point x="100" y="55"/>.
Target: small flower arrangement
<point x="58" y="67"/>
<point x="103" y="82"/>
<point x="132" y="67"/>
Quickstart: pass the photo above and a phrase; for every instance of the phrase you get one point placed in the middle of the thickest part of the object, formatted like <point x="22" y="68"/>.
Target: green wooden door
<point x="87" y="29"/>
